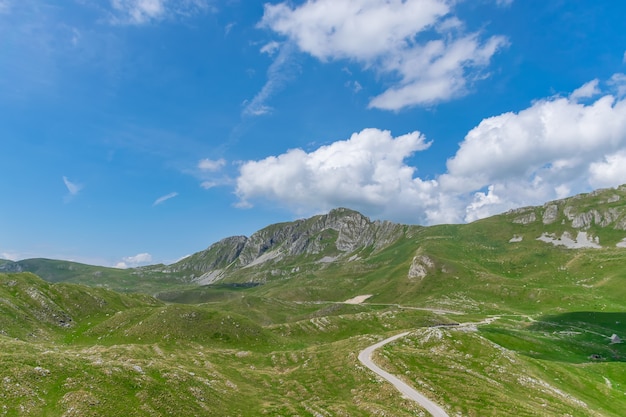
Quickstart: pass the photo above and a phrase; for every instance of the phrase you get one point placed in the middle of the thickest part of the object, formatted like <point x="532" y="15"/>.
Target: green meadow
<point x="502" y="323"/>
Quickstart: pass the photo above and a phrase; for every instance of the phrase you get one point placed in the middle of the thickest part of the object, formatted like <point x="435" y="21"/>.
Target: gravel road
<point x="366" y="359"/>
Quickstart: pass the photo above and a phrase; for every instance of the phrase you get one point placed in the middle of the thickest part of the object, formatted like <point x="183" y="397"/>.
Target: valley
<point x="510" y="315"/>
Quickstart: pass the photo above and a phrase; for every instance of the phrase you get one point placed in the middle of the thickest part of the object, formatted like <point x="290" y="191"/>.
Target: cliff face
<point x="331" y="235"/>
<point x="594" y="220"/>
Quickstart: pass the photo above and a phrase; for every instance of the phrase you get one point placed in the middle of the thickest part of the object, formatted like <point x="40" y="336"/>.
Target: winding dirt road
<point x="366" y="359"/>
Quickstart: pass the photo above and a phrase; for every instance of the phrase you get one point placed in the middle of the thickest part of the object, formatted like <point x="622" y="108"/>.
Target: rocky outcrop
<point x="581" y="241"/>
<point x="9" y="266"/>
<point x="526" y="218"/>
<point x="600" y="208"/>
<point x="420" y="266"/>
<point x="219" y="255"/>
<point x="550" y="214"/>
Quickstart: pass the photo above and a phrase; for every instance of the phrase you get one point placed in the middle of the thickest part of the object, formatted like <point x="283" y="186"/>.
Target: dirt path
<point x="366" y="359"/>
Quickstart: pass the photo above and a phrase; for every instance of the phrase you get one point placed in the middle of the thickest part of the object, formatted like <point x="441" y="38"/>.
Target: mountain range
<point x="293" y="302"/>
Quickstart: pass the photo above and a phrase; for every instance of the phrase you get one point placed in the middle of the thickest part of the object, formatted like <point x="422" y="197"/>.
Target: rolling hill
<point x="259" y="325"/>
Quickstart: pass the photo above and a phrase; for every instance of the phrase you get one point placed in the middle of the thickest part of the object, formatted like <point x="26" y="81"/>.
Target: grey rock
<point x="526" y="218"/>
<point x="420" y="266"/>
<point x="550" y="214"/>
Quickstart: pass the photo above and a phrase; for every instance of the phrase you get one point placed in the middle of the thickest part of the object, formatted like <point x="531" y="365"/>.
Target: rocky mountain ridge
<point x="324" y="237"/>
<point x="582" y="221"/>
<point x="345" y="238"/>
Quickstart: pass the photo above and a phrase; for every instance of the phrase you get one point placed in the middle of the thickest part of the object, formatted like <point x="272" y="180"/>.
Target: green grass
<point x="576" y="337"/>
<point x="275" y="339"/>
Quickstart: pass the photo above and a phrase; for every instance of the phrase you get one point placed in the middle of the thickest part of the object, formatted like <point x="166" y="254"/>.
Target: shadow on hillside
<point x="206" y="293"/>
<point x="575" y="337"/>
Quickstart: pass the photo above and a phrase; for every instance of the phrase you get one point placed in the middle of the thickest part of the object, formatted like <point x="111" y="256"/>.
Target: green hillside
<point x="517" y="314"/>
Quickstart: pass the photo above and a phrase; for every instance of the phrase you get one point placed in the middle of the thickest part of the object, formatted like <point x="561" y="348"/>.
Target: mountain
<point x="517" y="314"/>
<point x="514" y="257"/>
<point x="343" y="253"/>
<point x="322" y="239"/>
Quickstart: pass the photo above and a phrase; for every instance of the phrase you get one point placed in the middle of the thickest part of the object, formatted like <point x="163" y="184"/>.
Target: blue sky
<point x="140" y="131"/>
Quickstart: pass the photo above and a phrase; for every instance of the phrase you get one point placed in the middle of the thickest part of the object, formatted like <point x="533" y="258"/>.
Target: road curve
<point x="366" y="359"/>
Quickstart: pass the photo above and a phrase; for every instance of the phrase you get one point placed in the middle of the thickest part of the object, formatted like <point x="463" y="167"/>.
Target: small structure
<point x="615" y="339"/>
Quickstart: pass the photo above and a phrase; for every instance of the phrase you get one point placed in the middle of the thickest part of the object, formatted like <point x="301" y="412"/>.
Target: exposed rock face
<point x="340" y="231"/>
<point x="586" y="219"/>
<point x="550" y="214"/>
<point x="420" y="266"/>
<point x="600" y="208"/>
<point x="218" y="255"/>
<point x="581" y="241"/>
<point x="526" y="218"/>
<point x="11" y="267"/>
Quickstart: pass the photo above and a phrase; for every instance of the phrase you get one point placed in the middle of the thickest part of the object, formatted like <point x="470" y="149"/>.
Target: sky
<point x="137" y="132"/>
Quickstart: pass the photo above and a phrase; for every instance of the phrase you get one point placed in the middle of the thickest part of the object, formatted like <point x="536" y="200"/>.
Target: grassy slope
<point x="133" y="355"/>
<point x="285" y="348"/>
<point x="147" y="280"/>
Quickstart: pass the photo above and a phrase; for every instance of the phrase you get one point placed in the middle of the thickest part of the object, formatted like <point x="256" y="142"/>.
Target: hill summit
<point x="322" y="238"/>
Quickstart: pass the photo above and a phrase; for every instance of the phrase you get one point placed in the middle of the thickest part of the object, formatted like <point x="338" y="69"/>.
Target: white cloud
<point x="211" y="165"/>
<point x="478" y="208"/>
<point x="609" y="171"/>
<point x="208" y="184"/>
<point x="554" y="148"/>
<point x="137" y="12"/>
<point x="206" y="170"/>
<point x="366" y="171"/>
<point x="504" y="3"/>
<point x="624" y="58"/>
<point x="355" y="86"/>
<point x="588" y="90"/>
<point x="618" y="83"/>
<point x="11" y="256"/>
<point x="387" y="36"/>
<point x="270" y="48"/>
<point x="181" y="258"/>
<point x="72" y="187"/>
<point x="280" y="72"/>
<point x="133" y="261"/>
<point x="228" y="28"/>
<point x="436" y="72"/>
<point x="164" y="198"/>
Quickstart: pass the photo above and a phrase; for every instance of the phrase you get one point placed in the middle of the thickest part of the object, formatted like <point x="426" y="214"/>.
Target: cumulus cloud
<point x="366" y="171"/>
<point x="137" y="12"/>
<point x="164" y="198"/>
<point x="588" y="90"/>
<point x="609" y="171"/>
<point x="554" y="148"/>
<point x="618" y="83"/>
<point x="557" y="145"/>
<point x="417" y="43"/>
<point x="133" y="261"/>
